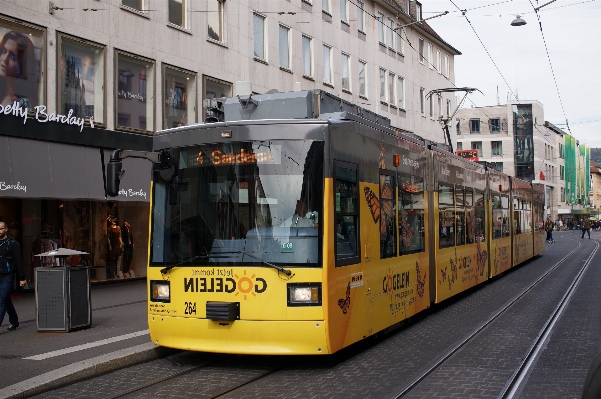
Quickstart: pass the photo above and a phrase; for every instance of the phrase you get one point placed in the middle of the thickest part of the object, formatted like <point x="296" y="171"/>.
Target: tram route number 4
<point x="190" y="308"/>
<point x="287" y="247"/>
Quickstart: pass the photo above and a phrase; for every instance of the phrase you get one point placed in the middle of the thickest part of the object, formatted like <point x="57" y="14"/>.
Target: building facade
<point x="515" y="139"/>
<point x="83" y="79"/>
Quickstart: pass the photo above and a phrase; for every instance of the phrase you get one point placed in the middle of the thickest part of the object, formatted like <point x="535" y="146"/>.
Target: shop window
<point x="135" y="92"/>
<point x="81" y="78"/>
<point x="346" y="212"/>
<point x="411" y="214"/>
<point x="446" y="218"/>
<point x="215" y="88"/>
<point x="22" y="53"/>
<point x="215" y="20"/>
<point x="388" y="241"/>
<point x="178" y="12"/>
<point x="179" y="91"/>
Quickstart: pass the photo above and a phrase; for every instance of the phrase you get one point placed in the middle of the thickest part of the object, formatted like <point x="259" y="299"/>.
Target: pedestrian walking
<point x="11" y="264"/>
<point x="549" y="226"/>
<point x="586" y="227"/>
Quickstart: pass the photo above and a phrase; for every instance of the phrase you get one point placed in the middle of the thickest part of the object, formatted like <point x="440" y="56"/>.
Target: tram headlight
<point x="304" y="294"/>
<point x="160" y="291"/>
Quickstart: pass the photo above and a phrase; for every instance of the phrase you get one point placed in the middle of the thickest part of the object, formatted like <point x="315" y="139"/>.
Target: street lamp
<point x="518" y="21"/>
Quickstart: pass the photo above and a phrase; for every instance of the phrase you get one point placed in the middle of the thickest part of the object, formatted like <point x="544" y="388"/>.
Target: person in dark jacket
<point x="11" y="263"/>
<point x="586" y="227"/>
<point x="549" y="225"/>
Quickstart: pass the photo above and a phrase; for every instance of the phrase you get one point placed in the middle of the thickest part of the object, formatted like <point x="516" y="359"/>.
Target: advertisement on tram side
<point x="500" y="256"/>
<point x="522" y="248"/>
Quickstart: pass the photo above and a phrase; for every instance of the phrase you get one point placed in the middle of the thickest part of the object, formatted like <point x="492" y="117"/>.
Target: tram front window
<point x="242" y="203"/>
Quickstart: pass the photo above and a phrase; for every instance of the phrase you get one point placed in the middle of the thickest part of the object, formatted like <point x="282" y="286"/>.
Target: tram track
<point x="513" y="384"/>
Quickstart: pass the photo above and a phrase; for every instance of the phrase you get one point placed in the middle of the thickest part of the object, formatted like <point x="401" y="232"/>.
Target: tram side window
<point x="505" y="224"/>
<point x="446" y="209"/>
<point x="527" y="217"/>
<point x="539" y="223"/>
<point x="346" y="213"/>
<point x="388" y="241"/>
<point x="411" y="214"/>
<point x="517" y="216"/>
<point x="470" y="217"/>
<point x="497" y="217"/>
<point x="480" y="216"/>
<point x="460" y="216"/>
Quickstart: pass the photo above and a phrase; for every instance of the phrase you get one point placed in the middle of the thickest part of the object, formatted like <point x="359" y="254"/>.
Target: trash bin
<point x="62" y="298"/>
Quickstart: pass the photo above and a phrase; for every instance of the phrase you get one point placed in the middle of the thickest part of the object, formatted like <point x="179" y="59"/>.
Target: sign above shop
<point x="41" y="115"/>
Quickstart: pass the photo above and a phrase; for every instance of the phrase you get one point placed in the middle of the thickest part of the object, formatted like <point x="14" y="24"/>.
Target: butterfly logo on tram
<point x="481" y="257"/>
<point x="421" y="283"/>
<point x="387" y="207"/>
<point x="406" y="230"/>
<point x="373" y="204"/>
<point x="443" y="275"/>
<point x="346" y="302"/>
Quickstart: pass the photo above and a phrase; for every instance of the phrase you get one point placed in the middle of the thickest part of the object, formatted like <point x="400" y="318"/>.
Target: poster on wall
<point x="21" y="55"/>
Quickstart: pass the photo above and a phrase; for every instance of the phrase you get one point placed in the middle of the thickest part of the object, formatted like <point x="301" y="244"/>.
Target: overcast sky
<point x="572" y="31"/>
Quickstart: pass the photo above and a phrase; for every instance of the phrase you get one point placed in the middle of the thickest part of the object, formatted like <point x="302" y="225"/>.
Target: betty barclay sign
<point x="41" y="115"/>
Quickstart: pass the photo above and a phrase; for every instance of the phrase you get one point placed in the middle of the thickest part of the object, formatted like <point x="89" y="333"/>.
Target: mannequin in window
<point x="128" y="249"/>
<point x="115" y="246"/>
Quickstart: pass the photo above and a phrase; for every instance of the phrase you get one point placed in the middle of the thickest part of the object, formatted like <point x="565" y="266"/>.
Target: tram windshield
<point x="240" y="203"/>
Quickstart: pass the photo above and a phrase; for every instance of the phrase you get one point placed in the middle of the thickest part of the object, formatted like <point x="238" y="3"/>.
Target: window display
<point x="214" y="88"/>
<point x="21" y="58"/>
<point x="179" y="97"/>
<point x="135" y="92"/>
<point x="81" y="78"/>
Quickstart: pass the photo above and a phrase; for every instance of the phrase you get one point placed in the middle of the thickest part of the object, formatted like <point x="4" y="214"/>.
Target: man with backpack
<point x="11" y="263"/>
<point x="586" y="226"/>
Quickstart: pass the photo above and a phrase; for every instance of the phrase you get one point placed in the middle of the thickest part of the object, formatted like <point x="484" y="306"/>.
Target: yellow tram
<point x="303" y="224"/>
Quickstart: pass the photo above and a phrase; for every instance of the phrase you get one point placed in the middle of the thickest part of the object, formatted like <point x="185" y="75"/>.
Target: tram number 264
<point x="190" y="308"/>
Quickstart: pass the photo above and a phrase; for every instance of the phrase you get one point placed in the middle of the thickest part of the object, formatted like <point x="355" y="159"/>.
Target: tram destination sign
<point x="263" y="155"/>
<point x="470" y="155"/>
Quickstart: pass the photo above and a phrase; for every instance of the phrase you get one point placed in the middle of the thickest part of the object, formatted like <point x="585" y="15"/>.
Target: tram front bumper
<point x="240" y="336"/>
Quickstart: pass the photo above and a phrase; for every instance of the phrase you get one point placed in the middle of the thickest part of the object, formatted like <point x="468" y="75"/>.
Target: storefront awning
<point x="41" y="169"/>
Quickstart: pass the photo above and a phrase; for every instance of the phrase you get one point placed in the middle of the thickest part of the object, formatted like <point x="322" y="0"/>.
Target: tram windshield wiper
<point x="276" y="267"/>
<point x="166" y="269"/>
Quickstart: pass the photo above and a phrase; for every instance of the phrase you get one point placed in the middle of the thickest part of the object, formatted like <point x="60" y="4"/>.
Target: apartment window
<point x="459" y="146"/>
<point x="360" y="20"/>
<point x="362" y="82"/>
<point x="438" y="61"/>
<point x="495" y="125"/>
<point x="327" y="65"/>
<point x="563" y="194"/>
<point x="179" y="92"/>
<point x="399" y="44"/>
<point x="390" y="33"/>
<point x="422" y="100"/>
<point x="391" y="88"/>
<point x="440" y="106"/>
<point x="400" y="92"/>
<point x="448" y="108"/>
<point x="458" y="125"/>
<point x="406" y="7"/>
<point x="418" y="12"/>
<point x="325" y="6"/>
<point x="215" y="19"/>
<point x="446" y="66"/>
<point x="135" y="95"/>
<point x="178" y="12"/>
<point x="431" y="106"/>
<point x="307" y="57"/>
<point x="430" y="59"/>
<point x="421" y="50"/>
<point x="80" y="79"/>
<point x="381" y="27"/>
<point x="215" y="88"/>
<point x="284" y="47"/>
<point x="477" y="145"/>
<point x="344" y="11"/>
<point x="259" y="36"/>
<point x="561" y="150"/>
<point x="135" y="4"/>
<point x="474" y="125"/>
<point x="496" y="148"/>
<point x="346" y="84"/>
<point x="383" y="86"/>
<point x="498" y="166"/>
<point x="562" y="172"/>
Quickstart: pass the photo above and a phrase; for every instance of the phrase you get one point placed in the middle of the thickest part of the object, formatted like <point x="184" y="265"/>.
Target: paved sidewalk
<point x="32" y="362"/>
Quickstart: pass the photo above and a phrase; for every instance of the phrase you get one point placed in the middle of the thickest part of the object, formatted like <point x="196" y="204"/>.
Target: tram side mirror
<point x="113" y="177"/>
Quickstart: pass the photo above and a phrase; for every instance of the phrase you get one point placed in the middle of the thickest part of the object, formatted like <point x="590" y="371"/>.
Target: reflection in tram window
<point x="527" y="217"/>
<point x="497" y="217"/>
<point x="470" y="217"/>
<point x="388" y="216"/>
<point x="517" y="216"/>
<point x="480" y="215"/>
<point x="505" y="207"/>
<point x="459" y="217"/>
<point x="411" y="214"/>
<point x="346" y="214"/>
<point x="446" y="209"/>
